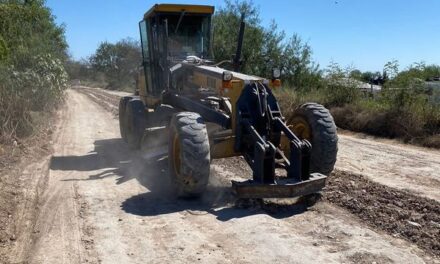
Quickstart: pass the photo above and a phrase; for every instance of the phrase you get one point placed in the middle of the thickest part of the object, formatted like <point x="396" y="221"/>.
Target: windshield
<point x="188" y="37"/>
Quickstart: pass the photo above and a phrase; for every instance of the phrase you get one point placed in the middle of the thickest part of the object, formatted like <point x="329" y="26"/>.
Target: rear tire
<point x="314" y="122"/>
<point x="135" y="122"/>
<point x="122" y="118"/>
<point x="188" y="154"/>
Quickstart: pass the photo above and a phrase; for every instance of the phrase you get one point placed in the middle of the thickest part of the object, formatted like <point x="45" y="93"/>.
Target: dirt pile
<point x="397" y="212"/>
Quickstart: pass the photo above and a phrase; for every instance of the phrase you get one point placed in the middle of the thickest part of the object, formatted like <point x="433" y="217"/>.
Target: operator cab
<point x="188" y="38"/>
<point x="169" y="34"/>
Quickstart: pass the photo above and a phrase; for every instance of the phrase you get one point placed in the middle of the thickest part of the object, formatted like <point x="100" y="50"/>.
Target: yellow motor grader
<point x="188" y="107"/>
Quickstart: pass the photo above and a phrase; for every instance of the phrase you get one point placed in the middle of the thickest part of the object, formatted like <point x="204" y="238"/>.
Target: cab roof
<point x="199" y="9"/>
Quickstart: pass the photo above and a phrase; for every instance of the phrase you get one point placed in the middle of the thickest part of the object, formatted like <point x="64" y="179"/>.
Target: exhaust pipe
<point x="237" y="59"/>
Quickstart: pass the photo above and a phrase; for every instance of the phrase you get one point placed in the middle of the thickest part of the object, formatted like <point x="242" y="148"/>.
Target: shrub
<point x="409" y="114"/>
<point x="21" y="92"/>
<point x="32" y="77"/>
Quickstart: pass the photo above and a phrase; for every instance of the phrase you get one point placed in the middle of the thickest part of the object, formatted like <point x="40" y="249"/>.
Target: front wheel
<point x="314" y="122"/>
<point x="188" y="154"/>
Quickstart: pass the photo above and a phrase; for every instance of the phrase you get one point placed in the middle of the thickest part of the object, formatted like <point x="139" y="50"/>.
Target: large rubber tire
<point x="188" y="154"/>
<point x="122" y="118"/>
<point x="135" y="122"/>
<point x="314" y="122"/>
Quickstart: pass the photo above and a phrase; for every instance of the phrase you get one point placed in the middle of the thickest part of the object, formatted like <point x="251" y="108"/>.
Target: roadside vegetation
<point x="407" y="106"/>
<point x="32" y="75"/>
<point x="113" y="66"/>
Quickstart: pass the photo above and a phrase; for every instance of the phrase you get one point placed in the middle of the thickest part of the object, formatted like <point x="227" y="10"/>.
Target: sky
<point x="353" y="33"/>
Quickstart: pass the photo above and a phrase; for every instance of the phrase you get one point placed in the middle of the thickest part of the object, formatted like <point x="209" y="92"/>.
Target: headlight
<point x="227" y="76"/>
<point x="276" y="73"/>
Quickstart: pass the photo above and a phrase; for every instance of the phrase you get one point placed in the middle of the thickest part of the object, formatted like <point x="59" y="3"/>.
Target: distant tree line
<point x="392" y="76"/>
<point x="113" y="65"/>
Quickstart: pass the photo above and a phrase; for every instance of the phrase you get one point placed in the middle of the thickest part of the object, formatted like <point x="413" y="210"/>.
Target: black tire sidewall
<point x="135" y="122"/>
<point x="194" y="155"/>
<point x="122" y="117"/>
<point x="324" y="137"/>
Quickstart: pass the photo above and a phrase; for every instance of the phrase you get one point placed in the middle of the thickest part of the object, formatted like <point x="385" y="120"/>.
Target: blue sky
<point x="364" y="34"/>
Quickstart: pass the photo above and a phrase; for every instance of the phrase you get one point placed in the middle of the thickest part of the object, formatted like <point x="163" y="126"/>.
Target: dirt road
<point x="104" y="204"/>
<point x="390" y="163"/>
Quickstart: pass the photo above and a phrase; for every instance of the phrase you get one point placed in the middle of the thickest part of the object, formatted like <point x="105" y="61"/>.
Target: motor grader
<point x="188" y="107"/>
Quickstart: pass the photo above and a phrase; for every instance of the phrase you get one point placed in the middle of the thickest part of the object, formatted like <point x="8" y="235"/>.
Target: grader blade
<point x="285" y="188"/>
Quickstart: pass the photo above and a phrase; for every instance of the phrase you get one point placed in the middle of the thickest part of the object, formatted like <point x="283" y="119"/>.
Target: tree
<point x="273" y="49"/>
<point x="28" y="28"/>
<point x="104" y="59"/>
<point x="298" y="68"/>
<point x="226" y="23"/>
<point x="80" y="69"/>
<point x="119" y="62"/>
<point x="391" y="69"/>
<point x="263" y="48"/>
<point x="356" y="74"/>
<point x="32" y="52"/>
<point x="414" y="76"/>
<point x="367" y="76"/>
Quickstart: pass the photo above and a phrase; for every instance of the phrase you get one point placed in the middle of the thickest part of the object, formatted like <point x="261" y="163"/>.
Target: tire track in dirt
<point x="61" y="233"/>
<point x="107" y="101"/>
<point x="25" y="178"/>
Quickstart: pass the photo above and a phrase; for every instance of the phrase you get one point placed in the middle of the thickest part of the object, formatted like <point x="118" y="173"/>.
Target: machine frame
<point x="241" y="113"/>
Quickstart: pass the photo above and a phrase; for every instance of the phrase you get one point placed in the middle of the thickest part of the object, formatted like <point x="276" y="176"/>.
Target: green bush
<point x="36" y="89"/>
<point x="29" y="29"/>
<point x="32" y="76"/>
